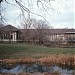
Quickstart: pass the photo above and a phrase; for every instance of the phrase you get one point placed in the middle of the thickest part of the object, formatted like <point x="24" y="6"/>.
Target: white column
<point x="51" y="38"/>
<point x="15" y="36"/>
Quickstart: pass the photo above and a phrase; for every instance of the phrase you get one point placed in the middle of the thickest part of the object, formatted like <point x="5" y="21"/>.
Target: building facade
<point x="11" y="33"/>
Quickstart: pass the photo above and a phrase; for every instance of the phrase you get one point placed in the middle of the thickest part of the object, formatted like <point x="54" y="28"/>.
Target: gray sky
<point x="59" y="13"/>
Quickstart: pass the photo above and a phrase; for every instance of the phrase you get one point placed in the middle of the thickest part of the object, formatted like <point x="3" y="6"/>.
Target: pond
<point x="36" y="67"/>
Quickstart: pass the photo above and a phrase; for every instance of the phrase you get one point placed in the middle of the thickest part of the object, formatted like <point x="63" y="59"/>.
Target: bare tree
<point x="40" y="28"/>
<point x="27" y="10"/>
<point x="1" y="22"/>
<point x="34" y="31"/>
<point x="45" y="5"/>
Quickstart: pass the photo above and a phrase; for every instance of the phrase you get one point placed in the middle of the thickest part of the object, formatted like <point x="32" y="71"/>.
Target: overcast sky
<point x="59" y="13"/>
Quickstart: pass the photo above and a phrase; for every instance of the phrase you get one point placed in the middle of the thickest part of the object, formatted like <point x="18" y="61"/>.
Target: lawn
<point x="21" y="50"/>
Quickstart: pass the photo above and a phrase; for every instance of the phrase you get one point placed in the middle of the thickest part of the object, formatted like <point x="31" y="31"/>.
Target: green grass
<point x="27" y="50"/>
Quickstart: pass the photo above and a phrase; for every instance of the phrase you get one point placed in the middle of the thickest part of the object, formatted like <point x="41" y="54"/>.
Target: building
<point x="9" y="33"/>
<point x="61" y="36"/>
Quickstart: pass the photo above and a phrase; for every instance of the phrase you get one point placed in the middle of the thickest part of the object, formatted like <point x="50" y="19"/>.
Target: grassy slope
<point x="25" y="50"/>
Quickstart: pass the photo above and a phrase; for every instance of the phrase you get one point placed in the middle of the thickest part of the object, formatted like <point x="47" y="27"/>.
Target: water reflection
<point x="37" y="68"/>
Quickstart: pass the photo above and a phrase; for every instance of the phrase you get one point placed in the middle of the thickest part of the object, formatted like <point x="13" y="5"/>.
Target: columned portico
<point x="14" y="36"/>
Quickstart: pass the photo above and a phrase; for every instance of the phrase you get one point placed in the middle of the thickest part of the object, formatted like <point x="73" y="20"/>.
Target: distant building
<point x="11" y="33"/>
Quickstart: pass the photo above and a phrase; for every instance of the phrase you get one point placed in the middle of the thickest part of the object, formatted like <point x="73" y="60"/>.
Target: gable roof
<point x="9" y="28"/>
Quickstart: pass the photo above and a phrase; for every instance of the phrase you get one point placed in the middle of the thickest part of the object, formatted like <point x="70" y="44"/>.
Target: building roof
<point x="50" y="31"/>
<point x="10" y="28"/>
<point x="44" y="31"/>
<point x="61" y="31"/>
